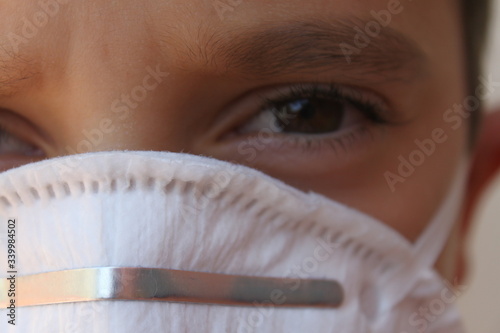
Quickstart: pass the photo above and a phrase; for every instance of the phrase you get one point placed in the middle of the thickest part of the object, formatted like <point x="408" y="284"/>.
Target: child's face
<point x="344" y="108"/>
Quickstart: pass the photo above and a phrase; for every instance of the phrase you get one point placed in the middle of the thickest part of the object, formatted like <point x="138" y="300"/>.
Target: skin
<point x="92" y="53"/>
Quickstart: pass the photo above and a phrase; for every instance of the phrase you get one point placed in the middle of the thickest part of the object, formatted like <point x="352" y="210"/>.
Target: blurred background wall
<point x="480" y="304"/>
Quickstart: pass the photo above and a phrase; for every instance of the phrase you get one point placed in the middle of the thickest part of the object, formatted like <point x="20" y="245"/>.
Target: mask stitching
<point x="94" y="187"/>
<point x="34" y="193"/>
<point x="188" y="186"/>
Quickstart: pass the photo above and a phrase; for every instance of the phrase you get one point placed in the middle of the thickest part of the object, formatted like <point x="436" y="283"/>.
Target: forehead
<point x="194" y="30"/>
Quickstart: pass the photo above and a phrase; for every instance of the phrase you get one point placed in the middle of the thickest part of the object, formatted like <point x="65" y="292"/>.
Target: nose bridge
<point x="113" y="111"/>
<point x="125" y="82"/>
<point x="111" y="92"/>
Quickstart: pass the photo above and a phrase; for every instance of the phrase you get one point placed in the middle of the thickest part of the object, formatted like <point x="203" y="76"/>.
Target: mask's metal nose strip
<point x="151" y="284"/>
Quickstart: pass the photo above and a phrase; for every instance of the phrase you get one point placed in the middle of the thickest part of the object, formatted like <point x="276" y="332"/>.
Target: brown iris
<point x="309" y="115"/>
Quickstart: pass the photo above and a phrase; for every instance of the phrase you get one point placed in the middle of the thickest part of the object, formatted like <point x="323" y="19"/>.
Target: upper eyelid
<point x="322" y="89"/>
<point x="22" y="129"/>
<point x="319" y="87"/>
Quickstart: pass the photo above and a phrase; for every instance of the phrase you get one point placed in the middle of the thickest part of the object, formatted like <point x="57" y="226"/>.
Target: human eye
<point x="9" y="144"/>
<point x="15" y="151"/>
<point x="309" y="120"/>
<point x="315" y="109"/>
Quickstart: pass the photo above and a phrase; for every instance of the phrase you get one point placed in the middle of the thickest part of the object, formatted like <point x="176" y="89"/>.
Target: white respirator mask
<point x="165" y="242"/>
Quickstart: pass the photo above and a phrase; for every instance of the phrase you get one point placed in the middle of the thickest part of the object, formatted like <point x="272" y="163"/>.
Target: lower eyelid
<point x="300" y="149"/>
<point x="341" y="141"/>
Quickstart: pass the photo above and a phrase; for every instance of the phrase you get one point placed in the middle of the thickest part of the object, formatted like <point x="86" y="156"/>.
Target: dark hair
<point x="475" y="18"/>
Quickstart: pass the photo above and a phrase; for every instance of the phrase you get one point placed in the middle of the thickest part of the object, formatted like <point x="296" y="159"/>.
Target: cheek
<point x="404" y="178"/>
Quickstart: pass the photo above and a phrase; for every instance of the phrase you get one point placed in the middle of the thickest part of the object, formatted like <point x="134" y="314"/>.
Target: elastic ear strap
<point x="431" y="242"/>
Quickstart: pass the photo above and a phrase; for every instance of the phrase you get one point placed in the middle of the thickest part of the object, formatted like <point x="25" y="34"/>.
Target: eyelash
<point x="372" y="107"/>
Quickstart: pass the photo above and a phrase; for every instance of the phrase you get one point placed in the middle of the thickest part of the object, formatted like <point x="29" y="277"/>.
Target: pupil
<point x="303" y="107"/>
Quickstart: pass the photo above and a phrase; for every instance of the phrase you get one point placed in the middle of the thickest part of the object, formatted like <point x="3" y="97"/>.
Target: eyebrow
<point x="271" y="50"/>
<point x="299" y="47"/>
<point x="16" y="73"/>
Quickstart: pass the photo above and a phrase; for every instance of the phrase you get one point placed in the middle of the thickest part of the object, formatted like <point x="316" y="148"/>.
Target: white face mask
<point x="183" y="212"/>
